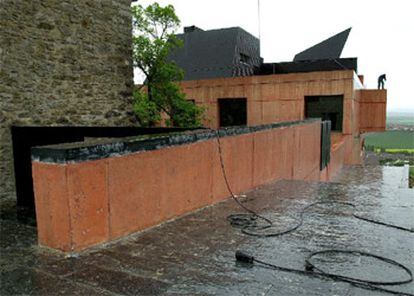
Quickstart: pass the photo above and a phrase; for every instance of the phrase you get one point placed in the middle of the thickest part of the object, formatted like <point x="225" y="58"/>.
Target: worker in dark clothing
<point x="381" y="80"/>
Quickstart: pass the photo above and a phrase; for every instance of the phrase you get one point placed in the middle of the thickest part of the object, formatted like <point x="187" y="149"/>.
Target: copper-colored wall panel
<point x="307" y="149"/>
<point x="136" y="190"/>
<point x="372" y="110"/>
<point x="151" y="187"/>
<point x="272" y="98"/>
<point x="337" y="160"/>
<point x="82" y="204"/>
<point x="52" y="206"/>
<point x="88" y="201"/>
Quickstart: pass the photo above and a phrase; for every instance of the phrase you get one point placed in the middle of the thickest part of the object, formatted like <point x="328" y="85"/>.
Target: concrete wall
<point x="62" y="63"/>
<point x="90" y="202"/>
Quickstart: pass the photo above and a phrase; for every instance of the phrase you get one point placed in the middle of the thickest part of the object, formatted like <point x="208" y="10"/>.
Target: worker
<point x="381" y="80"/>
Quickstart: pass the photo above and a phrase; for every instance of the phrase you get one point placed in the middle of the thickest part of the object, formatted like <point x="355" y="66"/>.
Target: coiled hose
<point x="249" y="226"/>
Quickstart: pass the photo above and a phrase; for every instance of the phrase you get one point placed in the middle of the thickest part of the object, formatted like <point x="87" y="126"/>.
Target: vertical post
<point x="258" y="21"/>
<point x="325" y="144"/>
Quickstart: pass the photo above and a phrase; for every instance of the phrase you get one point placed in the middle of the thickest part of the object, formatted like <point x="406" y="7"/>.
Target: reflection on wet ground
<point x="194" y="255"/>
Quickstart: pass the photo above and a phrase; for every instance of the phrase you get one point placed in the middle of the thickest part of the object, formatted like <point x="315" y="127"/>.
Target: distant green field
<point x="390" y="140"/>
<point x="402" y="118"/>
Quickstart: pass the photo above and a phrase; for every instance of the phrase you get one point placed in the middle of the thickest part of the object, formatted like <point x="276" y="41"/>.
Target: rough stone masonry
<point x="62" y="63"/>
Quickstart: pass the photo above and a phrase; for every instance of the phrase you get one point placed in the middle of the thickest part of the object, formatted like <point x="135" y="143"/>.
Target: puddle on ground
<point x="194" y="255"/>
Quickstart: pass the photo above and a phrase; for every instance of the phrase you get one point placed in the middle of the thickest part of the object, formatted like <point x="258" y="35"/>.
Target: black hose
<point x="248" y="224"/>
<point x="313" y="271"/>
<point x="383" y="223"/>
<point x="311" y="266"/>
<point x="254" y="215"/>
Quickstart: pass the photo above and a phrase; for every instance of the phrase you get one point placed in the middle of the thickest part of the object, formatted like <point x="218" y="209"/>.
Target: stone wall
<point x="62" y="63"/>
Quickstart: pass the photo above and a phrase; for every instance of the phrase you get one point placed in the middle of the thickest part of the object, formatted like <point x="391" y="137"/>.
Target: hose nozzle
<point x="243" y="257"/>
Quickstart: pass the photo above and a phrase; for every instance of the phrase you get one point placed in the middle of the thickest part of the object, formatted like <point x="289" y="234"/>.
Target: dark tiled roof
<point x="330" y="48"/>
<point x="217" y="53"/>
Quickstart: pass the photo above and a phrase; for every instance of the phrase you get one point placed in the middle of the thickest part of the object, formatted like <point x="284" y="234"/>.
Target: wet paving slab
<point x="195" y="254"/>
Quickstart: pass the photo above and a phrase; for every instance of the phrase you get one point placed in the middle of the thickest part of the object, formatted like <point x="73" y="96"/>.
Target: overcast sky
<point x="381" y="36"/>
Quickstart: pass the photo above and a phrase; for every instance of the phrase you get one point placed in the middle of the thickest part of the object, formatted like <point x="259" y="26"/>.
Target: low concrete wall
<point x="87" y="195"/>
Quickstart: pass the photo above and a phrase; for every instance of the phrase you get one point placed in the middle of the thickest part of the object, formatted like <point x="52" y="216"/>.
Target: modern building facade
<point x="318" y="83"/>
<point x="68" y="65"/>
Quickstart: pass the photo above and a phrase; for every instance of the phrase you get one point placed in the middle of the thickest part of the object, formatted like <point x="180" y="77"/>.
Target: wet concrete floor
<point x="194" y="255"/>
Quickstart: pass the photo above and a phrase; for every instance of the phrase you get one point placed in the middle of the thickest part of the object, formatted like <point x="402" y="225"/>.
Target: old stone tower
<point x="62" y="63"/>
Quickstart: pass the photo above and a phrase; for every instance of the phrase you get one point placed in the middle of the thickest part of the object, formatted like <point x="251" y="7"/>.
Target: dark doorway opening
<point x="233" y="111"/>
<point x="24" y="138"/>
<point x="326" y="107"/>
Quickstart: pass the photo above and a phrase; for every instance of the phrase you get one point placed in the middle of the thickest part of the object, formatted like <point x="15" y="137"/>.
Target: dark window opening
<point x="244" y="58"/>
<point x="325" y="107"/>
<point x="233" y="111"/>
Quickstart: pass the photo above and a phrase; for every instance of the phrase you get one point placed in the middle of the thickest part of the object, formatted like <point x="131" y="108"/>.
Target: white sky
<point x="382" y="35"/>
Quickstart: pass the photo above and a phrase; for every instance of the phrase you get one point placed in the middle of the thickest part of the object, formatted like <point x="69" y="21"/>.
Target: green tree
<point x="153" y="40"/>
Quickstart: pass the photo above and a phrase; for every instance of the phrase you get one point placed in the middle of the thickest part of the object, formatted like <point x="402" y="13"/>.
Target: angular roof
<point x="216" y="53"/>
<point x="330" y="48"/>
<point x="233" y="52"/>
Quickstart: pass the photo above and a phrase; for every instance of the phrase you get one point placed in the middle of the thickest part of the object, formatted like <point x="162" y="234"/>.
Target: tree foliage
<point x="153" y="41"/>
